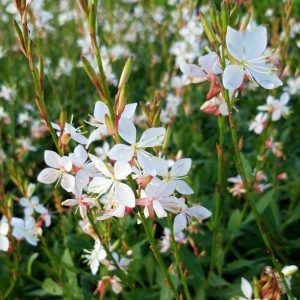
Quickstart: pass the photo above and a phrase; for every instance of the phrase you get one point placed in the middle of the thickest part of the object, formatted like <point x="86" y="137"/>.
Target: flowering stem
<point x="178" y="261"/>
<point x="110" y="256"/>
<point x="216" y="214"/>
<point x="157" y="255"/>
<point x="151" y="240"/>
<point x="250" y="196"/>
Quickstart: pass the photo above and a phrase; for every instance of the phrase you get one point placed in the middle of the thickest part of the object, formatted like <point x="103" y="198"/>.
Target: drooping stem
<point x="178" y="261"/>
<point x="249" y="194"/>
<point x="216" y="214"/>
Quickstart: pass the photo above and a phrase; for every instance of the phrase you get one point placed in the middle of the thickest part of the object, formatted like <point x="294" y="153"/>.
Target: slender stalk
<point x="157" y="255"/>
<point x="178" y="261"/>
<point x="250" y="196"/>
<point x="216" y="214"/>
<point x="153" y="246"/>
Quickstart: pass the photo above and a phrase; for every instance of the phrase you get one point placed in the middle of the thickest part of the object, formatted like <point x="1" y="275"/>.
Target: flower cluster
<point x="133" y="174"/>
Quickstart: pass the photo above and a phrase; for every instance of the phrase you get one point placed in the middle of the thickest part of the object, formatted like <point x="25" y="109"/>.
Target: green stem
<point x="250" y="196"/>
<point x="157" y="255"/>
<point x="216" y="214"/>
<point x="151" y="240"/>
<point x="178" y="261"/>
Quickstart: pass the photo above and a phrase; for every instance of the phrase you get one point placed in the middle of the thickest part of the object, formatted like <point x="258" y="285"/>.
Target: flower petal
<point x="234" y="43"/>
<point x="52" y="159"/>
<point x="180" y="222"/>
<point x="267" y="81"/>
<point x="122" y="170"/>
<point x="233" y="77"/>
<point x="255" y="41"/>
<point x="183" y="188"/>
<point x="100" y="111"/>
<point x="127" y="130"/>
<point x="67" y="182"/>
<point x="198" y="212"/>
<point x="193" y="71"/>
<point x="159" y="210"/>
<point x="152" y="137"/>
<point x="129" y="110"/>
<point x="246" y="288"/>
<point x="99" y="185"/>
<point x="181" y="167"/>
<point x="48" y="176"/>
<point x="121" y="152"/>
<point x="124" y="194"/>
<point x="100" y="165"/>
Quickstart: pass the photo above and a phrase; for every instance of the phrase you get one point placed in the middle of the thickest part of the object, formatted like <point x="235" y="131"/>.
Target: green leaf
<point x="32" y="258"/>
<point x="261" y="205"/>
<point x="234" y="220"/>
<point x="51" y="287"/>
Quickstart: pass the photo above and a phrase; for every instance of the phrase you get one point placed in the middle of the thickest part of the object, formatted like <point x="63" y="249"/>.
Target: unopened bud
<point x="125" y="73"/>
<point x="109" y="125"/>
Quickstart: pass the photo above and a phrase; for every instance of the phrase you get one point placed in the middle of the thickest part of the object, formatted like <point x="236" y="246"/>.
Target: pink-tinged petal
<point x="122" y="170"/>
<point x="181" y="167"/>
<point x="183" y="188"/>
<point x="233" y="77"/>
<point x="70" y="202"/>
<point x="152" y="137"/>
<point x="246" y="288"/>
<point x="4" y="243"/>
<point x="198" y="212"/>
<point x="52" y="159"/>
<point x="100" y="111"/>
<point x="159" y="210"/>
<point x="67" y="163"/>
<point x="83" y="211"/>
<point x="67" y="182"/>
<point x="124" y="194"/>
<point x="121" y="152"/>
<point x="129" y="110"/>
<point x="180" y="222"/>
<point x="127" y="130"/>
<point x="193" y="71"/>
<point x="267" y="81"/>
<point x="99" y="185"/>
<point x="99" y="164"/>
<point x="48" y="176"/>
<point x="234" y="43"/>
<point x="255" y="42"/>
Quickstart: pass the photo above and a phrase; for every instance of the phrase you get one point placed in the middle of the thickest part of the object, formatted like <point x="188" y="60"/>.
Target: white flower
<point x="157" y="198"/>
<point x="69" y="132"/>
<point x="208" y="65"/>
<point x="58" y="171"/>
<point x="110" y="181"/>
<point x="84" y="170"/>
<point x="32" y="204"/>
<point x="4" y="228"/>
<point x="102" y="152"/>
<point x="165" y="242"/>
<point x="82" y="201"/>
<point x="259" y="123"/>
<point x="94" y="257"/>
<point x="276" y="108"/>
<point x="178" y="172"/>
<point x="152" y="137"/>
<point x="7" y="93"/>
<point x="247" y="49"/>
<point x="26" y="229"/>
<point x="122" y="262"/>
<point x="198" y="212"/>
<point x="246" y="289"/>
